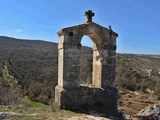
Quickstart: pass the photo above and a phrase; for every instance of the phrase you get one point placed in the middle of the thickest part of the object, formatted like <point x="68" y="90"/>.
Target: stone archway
<point x="103" y="55"/>
<point x="68" y="92"/>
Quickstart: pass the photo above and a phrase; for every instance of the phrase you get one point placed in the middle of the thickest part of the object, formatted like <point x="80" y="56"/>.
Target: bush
<point x="43" y="99"/>
<point x="9" y="97"/>
<point x="35" y="89"/>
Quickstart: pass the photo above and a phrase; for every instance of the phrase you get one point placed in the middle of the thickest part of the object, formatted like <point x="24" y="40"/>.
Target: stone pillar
<point x="104" y="55"/>
<point x="108" y="69"/>
<point x="68" y="61"/>
<point x="68" y="66"/>
<point x="97" y="69"/>
<point x="60" y="67"/>
<point x="108" y="63"/>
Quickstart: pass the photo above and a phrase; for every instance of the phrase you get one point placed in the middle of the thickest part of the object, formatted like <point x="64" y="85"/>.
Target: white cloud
<point x="19" y="30"/>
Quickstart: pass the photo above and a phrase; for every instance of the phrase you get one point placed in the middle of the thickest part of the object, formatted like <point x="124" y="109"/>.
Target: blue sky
<point x="136" y="21"/>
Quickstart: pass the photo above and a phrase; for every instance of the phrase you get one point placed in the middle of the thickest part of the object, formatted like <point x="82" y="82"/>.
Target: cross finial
<point x="89" y="14"/>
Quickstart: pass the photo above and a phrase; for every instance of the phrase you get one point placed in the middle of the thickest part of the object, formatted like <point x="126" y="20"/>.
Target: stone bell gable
<point x="69" y="93"/>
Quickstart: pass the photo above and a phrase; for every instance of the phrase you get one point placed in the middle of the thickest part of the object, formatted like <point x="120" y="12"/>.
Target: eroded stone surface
<point x="77" y="98"/>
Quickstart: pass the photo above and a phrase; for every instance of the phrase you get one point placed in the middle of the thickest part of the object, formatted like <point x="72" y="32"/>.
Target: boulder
<point x="151" y="110"/>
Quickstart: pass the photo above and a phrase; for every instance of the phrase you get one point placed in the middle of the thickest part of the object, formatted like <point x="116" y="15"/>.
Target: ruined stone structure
<point x="70" y="93"/>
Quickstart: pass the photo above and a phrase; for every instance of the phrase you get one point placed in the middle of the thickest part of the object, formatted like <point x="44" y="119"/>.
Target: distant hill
<point x="27" y="55"/>
<point x="34" y="65"/>
<point x="8" y="42"/>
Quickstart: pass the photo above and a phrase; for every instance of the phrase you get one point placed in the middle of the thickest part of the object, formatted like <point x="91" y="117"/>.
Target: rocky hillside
<point x="137" y="72"/>
<point x="33" y="65"/>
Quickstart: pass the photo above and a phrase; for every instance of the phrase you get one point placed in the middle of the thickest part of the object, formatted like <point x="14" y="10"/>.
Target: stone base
<point x="77" y="98"/>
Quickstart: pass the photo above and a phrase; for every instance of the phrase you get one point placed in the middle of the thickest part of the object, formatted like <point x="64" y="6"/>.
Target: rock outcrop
<point x="151" y="110"/>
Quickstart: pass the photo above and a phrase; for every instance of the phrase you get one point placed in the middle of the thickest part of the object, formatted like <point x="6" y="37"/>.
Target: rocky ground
<point x="139" y="106"/>
<point x="130" y="103"/>
<point x="45" y="113"/>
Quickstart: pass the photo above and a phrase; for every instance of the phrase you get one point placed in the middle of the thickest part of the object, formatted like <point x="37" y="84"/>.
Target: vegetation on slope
<point x="137" y="72"/>
<point x="33" y="66"/>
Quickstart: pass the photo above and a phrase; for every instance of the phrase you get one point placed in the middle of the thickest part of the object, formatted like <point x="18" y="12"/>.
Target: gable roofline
<point x="83" y="26"/>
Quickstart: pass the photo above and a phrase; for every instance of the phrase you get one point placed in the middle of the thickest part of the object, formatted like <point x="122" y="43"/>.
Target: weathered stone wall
<point x="72" y="65"/>
<point x="78" y="98"/>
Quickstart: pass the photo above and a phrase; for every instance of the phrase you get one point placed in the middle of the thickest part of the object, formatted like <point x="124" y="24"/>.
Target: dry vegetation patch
<point x="132" y="102"/>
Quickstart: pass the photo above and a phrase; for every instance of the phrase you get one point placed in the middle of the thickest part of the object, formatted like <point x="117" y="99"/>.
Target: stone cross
<point x="89" y="14"/>
<point x="110" y="30"/>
